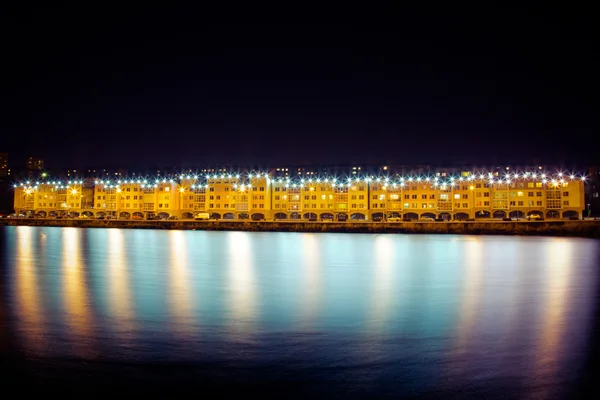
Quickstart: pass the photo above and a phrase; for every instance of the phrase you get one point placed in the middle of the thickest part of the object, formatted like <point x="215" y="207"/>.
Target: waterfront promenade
<point x="580" y="228"/>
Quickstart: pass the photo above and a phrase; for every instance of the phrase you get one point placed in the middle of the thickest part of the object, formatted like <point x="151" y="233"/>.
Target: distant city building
<point x="354" y="192"/>
<point x="4" y="170"/>
<point x="35" y="164"/>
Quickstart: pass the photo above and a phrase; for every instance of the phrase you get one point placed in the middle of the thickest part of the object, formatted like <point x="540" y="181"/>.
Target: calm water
<point x="342" y="315"/>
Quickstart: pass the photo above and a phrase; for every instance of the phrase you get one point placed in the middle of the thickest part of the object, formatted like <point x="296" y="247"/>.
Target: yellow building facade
<point x="260" y="196"/>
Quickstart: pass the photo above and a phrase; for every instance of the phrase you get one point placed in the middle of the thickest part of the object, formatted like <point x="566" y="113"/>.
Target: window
<point x="486" y="203"/>
<point x="530" y="194"/>
<point x="539" y="202"/>
<point x="565" y="194"/>
<point x="423" y="205"/>
<point x="432" y="196"/>
<point x="465" y="196"/>
<point x="520" y="194"/>
<point x="478" y="185"/>
<point x="538" y="194"/>
<point x="414" y="196"/>
<point x="277" y="189"/>
<point x="566" y="203"/>
<point x="520" y="204"/>
<point x="406" y="196"/>
<point x="465" y="205"/>
<point x="457" y="196"/>
<point x="424" y="196"/>
<point x="262" y="189"/>
<point x="513" y="203"/>
<point x="362" y="196"/>
<point x="276" y="197"/>
<point x="486" y="194"/>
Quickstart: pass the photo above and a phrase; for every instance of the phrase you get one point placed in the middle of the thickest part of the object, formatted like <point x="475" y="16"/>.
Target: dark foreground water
<point x="192" y="313"/>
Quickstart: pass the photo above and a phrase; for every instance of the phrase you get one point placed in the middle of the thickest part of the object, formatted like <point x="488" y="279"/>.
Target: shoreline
<point x="586" y="229"/>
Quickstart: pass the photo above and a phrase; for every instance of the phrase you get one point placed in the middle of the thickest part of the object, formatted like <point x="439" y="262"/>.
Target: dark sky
<point x="190" y="87"/>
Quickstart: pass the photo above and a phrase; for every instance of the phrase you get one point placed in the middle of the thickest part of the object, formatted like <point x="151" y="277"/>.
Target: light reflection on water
<point x="391" y="314"/>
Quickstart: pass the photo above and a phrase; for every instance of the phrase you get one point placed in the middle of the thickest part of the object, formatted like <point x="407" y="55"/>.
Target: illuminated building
<point x="456" y="195"/>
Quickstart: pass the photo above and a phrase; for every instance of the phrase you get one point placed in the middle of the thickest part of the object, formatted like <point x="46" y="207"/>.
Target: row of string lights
<point x="486" y="177"/>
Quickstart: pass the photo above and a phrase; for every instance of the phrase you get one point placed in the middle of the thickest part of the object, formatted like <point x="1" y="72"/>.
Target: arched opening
<point x="258" y="217"/>
<point x="187" y="215"/>
<point x="243" y="216"/>
<point x="483" y="214"/>
<point x="215" y="216"/>
<point x="229" y="216"/>
<point x="516" y="214"/>
<point x="342" y="216"/>
<point x="87" y="214"/>
<point x="137" y="215"/>
<point x="445" y="216"/>
<point x="101" y="215"/>
<point x="499" y="214"/>
<point x="310" y="216"/>
<point x="42" y="214"/>
<point x="461" y="216"/>
<point x="124" y="215"/>
<point x="358" y="217"/>
<point x="570" y="214"/>
<point x="326" y="217"/>
<point x="552" y="214"/>
<point x="280" y="215"/>
<point x="411" y="215"/>
<point x="150" y="216"/>
<point x="74" y="214"/>
<point x="54" y="214"/>
<point x="428" y="216"/>
<point x="378" y="216"/>
<point x="163" y="215"/>
<point x="394" y="214"/>
<point x="295" y="215"/>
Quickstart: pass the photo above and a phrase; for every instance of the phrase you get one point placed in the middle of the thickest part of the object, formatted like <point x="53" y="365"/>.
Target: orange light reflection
<point x="29" y="304"/>
<point x="180" y="297"/>
<point x="241" y="282"/>
<point x="312" y="279"/>
<point x="76" y="303"/>
<point x="120" y="295"/>
<point x="552" y="325"/>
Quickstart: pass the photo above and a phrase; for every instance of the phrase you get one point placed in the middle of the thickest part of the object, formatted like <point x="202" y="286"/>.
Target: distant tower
<point x="35" y="164"/>
<point x="4" y="171"/>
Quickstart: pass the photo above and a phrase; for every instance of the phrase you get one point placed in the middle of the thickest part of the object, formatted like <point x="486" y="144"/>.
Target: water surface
<point x="298" y="314"/>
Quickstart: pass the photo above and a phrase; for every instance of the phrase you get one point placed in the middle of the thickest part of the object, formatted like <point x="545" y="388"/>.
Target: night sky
<point x="181" y="87"/>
